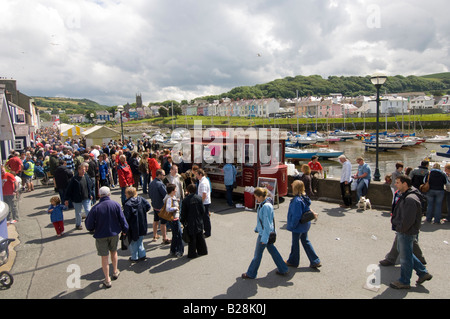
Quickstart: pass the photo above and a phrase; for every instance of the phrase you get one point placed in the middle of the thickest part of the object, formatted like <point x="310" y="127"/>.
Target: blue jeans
<point x="434" y="209"/>
<point x="86" y="204"/>
<point x="176" y="245"/>
<point x="137" y="249"/>
<point x="145" y="185"/>
<point x="361" y="189"/>
<point x="254" y="265"/>
<point x="294" y="257"/>
<point x="123" y="197"/>
<point x="408" y="260"/>
<point x="229" y="194"/>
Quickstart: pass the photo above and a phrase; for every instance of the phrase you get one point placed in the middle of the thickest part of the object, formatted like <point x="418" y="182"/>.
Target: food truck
<point x="255" y="152"/>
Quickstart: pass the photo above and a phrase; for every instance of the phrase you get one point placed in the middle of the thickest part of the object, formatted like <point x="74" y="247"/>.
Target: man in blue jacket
<point x="107" y="220"/>
<point x="229" y="178"/>
<point x="157" y="191"/>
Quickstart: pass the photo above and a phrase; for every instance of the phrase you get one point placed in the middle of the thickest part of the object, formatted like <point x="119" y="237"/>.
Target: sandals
<point x="115" y="275"/>
<point x="107" y="284"/>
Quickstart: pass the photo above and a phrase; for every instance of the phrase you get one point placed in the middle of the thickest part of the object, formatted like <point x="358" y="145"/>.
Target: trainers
<point x="424" y="278"/>
<point x="399" y="285"/>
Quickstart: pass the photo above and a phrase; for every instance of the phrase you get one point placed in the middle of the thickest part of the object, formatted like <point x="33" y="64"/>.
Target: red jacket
<point x="125" y="175"/>
<point x="153" y="166"/>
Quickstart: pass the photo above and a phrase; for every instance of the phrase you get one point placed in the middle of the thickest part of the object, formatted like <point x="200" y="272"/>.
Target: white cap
<point x="104" y="191"/>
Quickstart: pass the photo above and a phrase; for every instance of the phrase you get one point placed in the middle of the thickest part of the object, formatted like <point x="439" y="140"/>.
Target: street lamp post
<point x="120" y="109"/>
<point x="378" y="80"/>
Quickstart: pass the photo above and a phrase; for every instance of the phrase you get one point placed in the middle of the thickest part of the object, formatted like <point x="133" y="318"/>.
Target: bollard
<point x="4" y="210"/>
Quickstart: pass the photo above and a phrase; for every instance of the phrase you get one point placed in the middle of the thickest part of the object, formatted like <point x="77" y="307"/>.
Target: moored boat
<point x="294" y="153"/>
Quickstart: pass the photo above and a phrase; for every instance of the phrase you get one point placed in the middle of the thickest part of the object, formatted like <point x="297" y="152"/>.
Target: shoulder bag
<point x="164" y="214"/>
<point x="272" y="235"/>
<point x="424" y="188"/>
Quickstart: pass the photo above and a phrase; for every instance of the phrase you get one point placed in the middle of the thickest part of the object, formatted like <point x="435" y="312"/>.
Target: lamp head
<point x="378" y="79"/>
<point x="120" y="108"/>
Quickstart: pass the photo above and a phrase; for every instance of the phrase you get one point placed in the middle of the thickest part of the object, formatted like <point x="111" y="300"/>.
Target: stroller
<point x="6" y="279"/>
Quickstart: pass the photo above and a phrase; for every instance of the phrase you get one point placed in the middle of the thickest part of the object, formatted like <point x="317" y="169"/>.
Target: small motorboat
<point x="439" y="139"/>
<point x="444" y="154"/>
<point x="326" y="153"/>
<point x="295" y="153"/>
<point x="383" y="143"/>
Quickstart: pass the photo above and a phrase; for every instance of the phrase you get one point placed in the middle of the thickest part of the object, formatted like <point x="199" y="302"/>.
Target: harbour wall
<point x="379" y="193"/>
<point x="350" y="126"/>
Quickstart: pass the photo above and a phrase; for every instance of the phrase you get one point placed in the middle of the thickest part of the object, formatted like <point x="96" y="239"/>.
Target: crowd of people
<point x="416" y="192"/>
<point x="432" y="183"/>
<point x="83" y="175"/>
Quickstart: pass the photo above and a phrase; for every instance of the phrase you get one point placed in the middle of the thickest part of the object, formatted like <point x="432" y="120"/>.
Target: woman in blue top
<point x="298" y="206"/>
<point x="264" y="226"/>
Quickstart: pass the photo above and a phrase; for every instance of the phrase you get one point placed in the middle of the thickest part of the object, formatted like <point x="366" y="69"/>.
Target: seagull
<point x="259" y="54"/>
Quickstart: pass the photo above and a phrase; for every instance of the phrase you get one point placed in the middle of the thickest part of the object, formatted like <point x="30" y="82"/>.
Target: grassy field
<point x="242" y="121"/>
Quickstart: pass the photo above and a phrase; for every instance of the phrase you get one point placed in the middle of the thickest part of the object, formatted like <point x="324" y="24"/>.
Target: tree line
<point x="316" y="85"/>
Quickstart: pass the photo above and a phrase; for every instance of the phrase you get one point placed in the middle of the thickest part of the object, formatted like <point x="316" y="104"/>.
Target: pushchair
<point x="6" y="279"/>
<point x="42" y="174"/>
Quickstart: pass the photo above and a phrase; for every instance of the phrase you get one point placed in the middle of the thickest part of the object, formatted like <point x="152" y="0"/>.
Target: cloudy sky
<point x="110" y="50"/>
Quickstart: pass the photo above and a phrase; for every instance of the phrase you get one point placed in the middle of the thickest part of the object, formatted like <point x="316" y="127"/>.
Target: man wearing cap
<point x="106" y="220"/>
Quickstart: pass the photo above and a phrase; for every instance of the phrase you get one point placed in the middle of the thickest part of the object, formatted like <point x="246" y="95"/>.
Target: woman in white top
<point x="204" y="191"/>
<point x="172" y="205"/>
<point x="346" y="181"/>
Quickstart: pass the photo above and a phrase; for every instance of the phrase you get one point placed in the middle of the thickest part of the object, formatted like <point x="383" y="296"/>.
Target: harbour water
<point x="409" y="156"/>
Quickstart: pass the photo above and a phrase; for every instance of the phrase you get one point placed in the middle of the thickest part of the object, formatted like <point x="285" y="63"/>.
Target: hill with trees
<point x="291" y="87"/>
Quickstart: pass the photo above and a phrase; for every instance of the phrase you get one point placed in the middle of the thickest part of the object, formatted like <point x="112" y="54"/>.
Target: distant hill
<point x="68" y="104"/>
<point x="289" y="87"/>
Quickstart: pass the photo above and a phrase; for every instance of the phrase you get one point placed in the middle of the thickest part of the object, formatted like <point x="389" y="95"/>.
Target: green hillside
<point x="289" y="87"/>
<point x="68" y="104"/>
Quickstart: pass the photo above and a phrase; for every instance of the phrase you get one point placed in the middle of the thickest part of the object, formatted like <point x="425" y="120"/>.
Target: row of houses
<point x="18" y="117"/>
<point x="333" y="106"/>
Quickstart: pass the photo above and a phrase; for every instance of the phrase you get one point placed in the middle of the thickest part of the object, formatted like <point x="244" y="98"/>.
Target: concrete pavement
<point x="349" y="243"/>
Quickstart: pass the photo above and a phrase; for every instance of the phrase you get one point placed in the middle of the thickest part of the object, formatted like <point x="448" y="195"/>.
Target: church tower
<point x="138" y="100"/>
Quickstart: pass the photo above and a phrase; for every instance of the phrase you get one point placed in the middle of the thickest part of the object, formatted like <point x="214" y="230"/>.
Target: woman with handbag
<point x="265" y="228"/>
<point x="172" y="206"/>
<point x="298" y="222"/>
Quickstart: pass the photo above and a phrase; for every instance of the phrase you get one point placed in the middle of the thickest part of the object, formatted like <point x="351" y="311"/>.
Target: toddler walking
<point x="56" y="215"/>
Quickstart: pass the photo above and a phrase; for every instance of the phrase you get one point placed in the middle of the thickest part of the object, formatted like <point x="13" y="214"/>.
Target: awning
<point x="70" y="131"/>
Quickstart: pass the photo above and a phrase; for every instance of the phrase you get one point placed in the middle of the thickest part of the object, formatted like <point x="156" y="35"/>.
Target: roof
<point x="103" y="130"/>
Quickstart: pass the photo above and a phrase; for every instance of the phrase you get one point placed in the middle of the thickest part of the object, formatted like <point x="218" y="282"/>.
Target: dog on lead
<point x="364" y="203"/>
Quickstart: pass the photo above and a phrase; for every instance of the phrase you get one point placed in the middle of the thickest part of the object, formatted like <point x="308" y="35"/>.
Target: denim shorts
<point x="106" y="244"/>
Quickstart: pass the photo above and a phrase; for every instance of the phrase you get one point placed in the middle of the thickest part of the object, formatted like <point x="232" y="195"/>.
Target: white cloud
<point x="110" y="50"/>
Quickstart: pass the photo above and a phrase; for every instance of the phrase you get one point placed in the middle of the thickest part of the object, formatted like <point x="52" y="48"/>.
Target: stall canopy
<point x="68" y="130"/>
<point x="97" y="135"/>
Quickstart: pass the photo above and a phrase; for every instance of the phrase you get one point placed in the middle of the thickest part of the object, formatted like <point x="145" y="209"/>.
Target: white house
<point x="388" y="104"/>
<point x="421" y="102"/>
